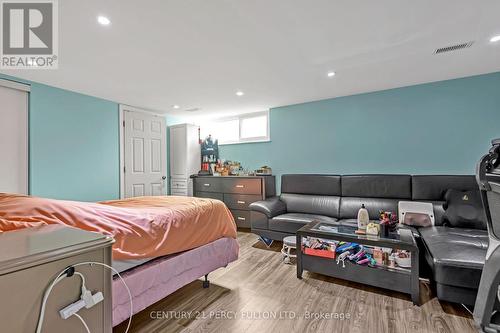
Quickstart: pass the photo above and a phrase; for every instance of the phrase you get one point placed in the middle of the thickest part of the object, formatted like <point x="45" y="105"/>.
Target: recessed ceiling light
<point x="495" y="39"/>
<point x="240" y="93"/>
<point x="176" y="106"/>
<point x="103" y="20"/>
<point x="331" y="74"/>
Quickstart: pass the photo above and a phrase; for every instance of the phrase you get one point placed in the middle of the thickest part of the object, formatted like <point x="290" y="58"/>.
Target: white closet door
<point x="13" y="138"/>
<point x="145" y="154"/>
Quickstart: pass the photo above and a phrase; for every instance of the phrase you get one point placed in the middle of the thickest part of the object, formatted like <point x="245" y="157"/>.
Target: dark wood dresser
<point x="236" y="192"/>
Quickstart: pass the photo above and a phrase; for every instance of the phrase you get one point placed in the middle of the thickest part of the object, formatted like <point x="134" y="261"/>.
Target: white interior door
<point x="144" y="154"/>
<point x="13" y="137"/>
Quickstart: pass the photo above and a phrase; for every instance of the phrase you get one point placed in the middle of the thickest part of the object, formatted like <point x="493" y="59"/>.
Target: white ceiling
<point x="198" y="53"/>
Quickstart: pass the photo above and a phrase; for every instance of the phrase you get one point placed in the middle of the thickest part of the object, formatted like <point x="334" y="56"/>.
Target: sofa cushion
<point x="349" y="207"/>
<point x="464" y="210"/>
<point x="291" y="222"/>
<point x="433" y="188"/>
<point x="311" y="204"/>
<point x="377" y="186"/>
<point x="456" y="255"/>
<point x="311" y="184"/>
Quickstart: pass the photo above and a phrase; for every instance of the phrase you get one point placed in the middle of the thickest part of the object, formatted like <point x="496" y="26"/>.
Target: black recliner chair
<point x="488" y="177"/>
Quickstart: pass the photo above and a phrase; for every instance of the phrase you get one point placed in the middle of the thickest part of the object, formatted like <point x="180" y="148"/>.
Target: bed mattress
<point x="143" y="227"/>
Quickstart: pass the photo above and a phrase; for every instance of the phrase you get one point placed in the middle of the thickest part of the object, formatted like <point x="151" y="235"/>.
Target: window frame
<point x="241" y="117"/>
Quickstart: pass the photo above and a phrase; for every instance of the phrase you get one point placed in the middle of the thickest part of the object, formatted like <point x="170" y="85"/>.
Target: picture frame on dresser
<point x="237" y="192"/>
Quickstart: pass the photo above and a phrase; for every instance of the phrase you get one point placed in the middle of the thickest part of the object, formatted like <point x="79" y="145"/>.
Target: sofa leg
<point x="206" y="282"/>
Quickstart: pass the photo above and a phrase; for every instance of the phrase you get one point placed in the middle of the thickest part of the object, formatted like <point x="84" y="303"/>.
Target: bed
<point x="161" y="243"/>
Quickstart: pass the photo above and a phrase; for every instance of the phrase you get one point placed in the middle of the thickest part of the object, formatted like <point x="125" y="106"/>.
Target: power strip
<point x="87" y="300"/>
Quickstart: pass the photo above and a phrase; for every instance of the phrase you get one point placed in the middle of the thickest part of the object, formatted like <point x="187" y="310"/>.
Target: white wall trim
<point x="15" y="85"/>
<point x="26" y="88"/>
<point x="121" y="119"/>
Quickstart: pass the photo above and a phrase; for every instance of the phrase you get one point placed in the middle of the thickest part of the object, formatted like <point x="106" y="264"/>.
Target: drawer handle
<point x="207" y="185"/>
<point x="241" y="218"/>
<point x="241" y="202"/>
<point x="240" y="186"/>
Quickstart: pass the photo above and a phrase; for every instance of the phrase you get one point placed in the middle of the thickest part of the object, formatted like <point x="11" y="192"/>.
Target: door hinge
<point x="124" y="170"/>
<point x="124" y="123"/>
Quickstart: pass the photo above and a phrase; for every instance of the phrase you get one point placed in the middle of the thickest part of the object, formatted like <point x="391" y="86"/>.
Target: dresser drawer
<point x="210" y="195"/>
<point x="241" y="217"/>
<point x="240" y="201"/>
<point x="207" y="184"/>
<point x="243" y="186"/>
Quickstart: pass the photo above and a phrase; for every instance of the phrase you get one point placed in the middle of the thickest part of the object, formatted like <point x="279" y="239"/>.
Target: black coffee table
<point x="405" y="280"/>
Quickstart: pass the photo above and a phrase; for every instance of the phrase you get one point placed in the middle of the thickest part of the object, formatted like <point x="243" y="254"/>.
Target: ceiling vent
<point x="193" y="110"/>
<point x="455" y="47"/>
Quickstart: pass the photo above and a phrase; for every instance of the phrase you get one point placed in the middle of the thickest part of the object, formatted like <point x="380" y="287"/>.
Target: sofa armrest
<point x="412" y="229"/>
<point x="270" y="207"/>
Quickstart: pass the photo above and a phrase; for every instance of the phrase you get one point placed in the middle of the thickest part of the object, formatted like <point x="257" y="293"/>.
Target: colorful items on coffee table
<point x="403" y="259"/>
<point x="372" y="229"/>
<point x="355" y="253"/>
<point x="363" y="218"/>
<point x="319" y="247"/>
<point x="390" y="219"/>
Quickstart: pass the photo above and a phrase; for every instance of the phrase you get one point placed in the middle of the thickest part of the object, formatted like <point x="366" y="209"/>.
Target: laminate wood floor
<point x="259" y="293"/>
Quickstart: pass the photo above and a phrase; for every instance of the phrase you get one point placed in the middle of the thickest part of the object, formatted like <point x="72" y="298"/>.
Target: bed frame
<point x="158" y="278"/>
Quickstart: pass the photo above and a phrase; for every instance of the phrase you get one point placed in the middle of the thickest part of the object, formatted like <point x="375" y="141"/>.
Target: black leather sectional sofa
<point x="454" y="256"/>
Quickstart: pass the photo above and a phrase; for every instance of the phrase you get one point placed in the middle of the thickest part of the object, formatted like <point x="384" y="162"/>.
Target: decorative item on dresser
<point x="185" y="156"/>
<point x="237" y="192"/>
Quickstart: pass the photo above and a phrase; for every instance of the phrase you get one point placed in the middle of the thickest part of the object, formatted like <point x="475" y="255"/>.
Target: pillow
<point x="417" y="220"/>
<point x="416" y="214"/>
<point x="464" y="209"/>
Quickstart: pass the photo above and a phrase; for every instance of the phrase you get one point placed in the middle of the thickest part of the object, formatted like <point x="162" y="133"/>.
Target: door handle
<point x="206" y="185"/>
<point x="241" y="218"/>
<point x="240" y="186"/>
<point x="164" y="177"/>
<point x="241" y="202"/>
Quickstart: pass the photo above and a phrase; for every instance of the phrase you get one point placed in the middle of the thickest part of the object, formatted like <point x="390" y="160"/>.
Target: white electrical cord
<point x="58" y="279"/>
<point x="83" y="322"/>
<point x="62" y="275"/>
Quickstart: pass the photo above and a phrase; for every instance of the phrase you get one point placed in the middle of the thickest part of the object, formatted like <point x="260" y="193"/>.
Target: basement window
<point x="244" y="128"/>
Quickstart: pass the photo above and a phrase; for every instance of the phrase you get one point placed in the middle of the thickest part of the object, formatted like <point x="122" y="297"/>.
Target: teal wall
<point x="74" y="145"/>
<point x="434" y="128"/>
